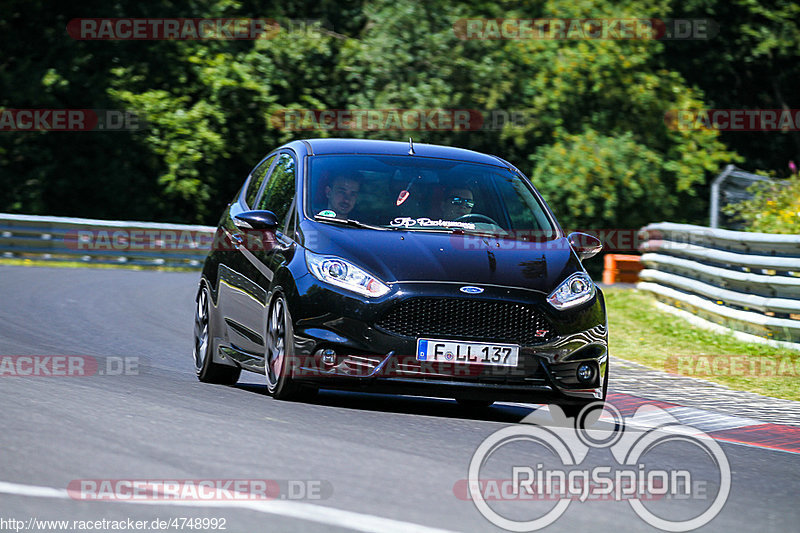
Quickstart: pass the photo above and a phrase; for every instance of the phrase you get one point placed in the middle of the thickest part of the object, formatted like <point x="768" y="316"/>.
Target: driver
<point x="457" y="202"/>
<point x="342" y="194"/>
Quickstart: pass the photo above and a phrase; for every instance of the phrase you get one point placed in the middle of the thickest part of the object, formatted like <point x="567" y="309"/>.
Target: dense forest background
<point x="597" y="145"/>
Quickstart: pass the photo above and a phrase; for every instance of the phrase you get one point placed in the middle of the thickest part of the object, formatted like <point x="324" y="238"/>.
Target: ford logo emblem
<point x="471" y="290"/>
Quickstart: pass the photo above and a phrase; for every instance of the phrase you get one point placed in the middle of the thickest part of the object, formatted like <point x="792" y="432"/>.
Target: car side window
<point x="280" y="189"/>
<point x="523" y="210"/>
<point x="256" y="179"/>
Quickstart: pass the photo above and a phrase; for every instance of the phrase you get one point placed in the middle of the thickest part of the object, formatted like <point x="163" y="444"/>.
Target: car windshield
<point x="424" y="194"/>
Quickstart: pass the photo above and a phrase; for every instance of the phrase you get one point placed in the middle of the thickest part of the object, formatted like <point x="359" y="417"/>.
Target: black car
<point x="403" y="268"/>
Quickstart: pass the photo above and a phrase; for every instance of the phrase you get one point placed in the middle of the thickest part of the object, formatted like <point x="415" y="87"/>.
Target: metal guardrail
<point x="104" y="241"/>
<point x="730" y="187"/>
<point x="748" y="282"/>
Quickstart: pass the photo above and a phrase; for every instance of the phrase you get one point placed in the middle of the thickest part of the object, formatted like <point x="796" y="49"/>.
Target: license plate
<point x="473" y="353"/>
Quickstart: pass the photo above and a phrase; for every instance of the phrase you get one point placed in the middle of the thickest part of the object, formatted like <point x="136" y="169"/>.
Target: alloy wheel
<point x="201" y="330"/>
<point x="276" y="344"/>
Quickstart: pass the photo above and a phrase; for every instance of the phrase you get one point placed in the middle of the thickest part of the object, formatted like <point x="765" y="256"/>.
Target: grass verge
<point x="640" y="332"/>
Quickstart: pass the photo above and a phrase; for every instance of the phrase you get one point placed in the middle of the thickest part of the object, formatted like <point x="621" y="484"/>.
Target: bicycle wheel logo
<point x="636" y="444"/>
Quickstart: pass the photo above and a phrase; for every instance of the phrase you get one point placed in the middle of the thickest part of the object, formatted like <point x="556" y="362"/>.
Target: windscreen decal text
<point x="408" y="222"/>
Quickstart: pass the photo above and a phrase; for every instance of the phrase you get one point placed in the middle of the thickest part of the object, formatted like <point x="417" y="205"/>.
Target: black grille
<point x="469" y="319"/>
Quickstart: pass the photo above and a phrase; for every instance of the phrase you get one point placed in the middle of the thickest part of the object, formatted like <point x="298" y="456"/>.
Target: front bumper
<point x="369" y="358"/>
<point x="538" y="377"/>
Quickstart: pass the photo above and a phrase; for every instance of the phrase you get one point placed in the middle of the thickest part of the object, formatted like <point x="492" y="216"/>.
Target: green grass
<point x="640" y="332"/>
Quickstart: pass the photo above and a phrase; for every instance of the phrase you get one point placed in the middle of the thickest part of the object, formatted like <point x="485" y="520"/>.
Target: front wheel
<point x="204" y="366"/>
<point x="278" y="357"/>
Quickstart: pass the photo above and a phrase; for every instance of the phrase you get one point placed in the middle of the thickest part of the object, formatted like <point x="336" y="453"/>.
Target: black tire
<point x="279" y="352"/>
<point x="204" y="366"/>
<point x="468" y="403"/>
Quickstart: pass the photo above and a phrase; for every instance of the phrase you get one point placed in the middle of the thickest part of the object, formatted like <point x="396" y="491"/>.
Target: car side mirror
<point x="256" y="220"/>
<point x="585" y="245"/>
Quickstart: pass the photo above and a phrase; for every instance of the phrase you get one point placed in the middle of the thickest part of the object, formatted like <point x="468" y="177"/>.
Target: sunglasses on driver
<point x="455" y="200"/>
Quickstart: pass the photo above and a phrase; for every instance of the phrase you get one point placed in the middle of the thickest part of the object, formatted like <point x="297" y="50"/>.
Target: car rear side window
<point x="280" y="188"/>
<point x="256" y="179"/>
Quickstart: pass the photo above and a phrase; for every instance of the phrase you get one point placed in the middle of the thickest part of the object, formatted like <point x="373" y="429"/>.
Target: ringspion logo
<point x="548" y="463"/>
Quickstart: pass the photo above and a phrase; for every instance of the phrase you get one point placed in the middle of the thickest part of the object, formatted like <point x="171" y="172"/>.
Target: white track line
<point x="300" y="510"/>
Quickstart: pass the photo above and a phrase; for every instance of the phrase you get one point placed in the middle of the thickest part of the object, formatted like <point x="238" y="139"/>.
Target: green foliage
<point x="774" y="208"/>
<point x="754" y="62"/>
<point x="607" y="157"/>
<point x="593" y="137"/>
<point x="596" y="181"/>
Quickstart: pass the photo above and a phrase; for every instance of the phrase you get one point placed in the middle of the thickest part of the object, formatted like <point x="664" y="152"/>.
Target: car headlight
<point x="344" y="274"/>
<point x="575" y="290"/>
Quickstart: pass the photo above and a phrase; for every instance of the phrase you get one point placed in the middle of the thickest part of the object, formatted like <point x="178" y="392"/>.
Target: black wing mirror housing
<point x="256" y="220"/>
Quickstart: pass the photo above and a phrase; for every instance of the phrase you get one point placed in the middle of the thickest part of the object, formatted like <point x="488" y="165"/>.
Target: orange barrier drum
<point x="620" y="268"/>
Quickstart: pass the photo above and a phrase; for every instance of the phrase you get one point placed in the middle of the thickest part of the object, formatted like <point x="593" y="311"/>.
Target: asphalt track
<point x="386" y="463"/>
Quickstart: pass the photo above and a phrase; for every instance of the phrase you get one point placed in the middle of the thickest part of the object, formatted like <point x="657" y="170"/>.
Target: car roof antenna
<point x="410" y="146"/>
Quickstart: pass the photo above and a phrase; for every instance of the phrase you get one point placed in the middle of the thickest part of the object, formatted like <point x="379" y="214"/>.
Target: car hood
<point x="408" y="256"/>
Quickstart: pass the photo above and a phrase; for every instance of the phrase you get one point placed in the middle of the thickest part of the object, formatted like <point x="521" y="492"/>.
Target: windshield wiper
<point x="348" y="222"/>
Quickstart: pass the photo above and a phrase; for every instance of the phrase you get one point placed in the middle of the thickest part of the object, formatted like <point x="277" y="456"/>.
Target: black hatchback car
<point x="403" y="268"/>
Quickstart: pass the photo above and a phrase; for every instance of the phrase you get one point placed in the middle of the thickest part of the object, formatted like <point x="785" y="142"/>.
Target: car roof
<point x="371" y="146"/>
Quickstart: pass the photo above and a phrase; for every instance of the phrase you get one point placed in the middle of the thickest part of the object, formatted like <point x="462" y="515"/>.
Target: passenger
<point x="457" y="202"/>
<point x="342" y="195"/>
